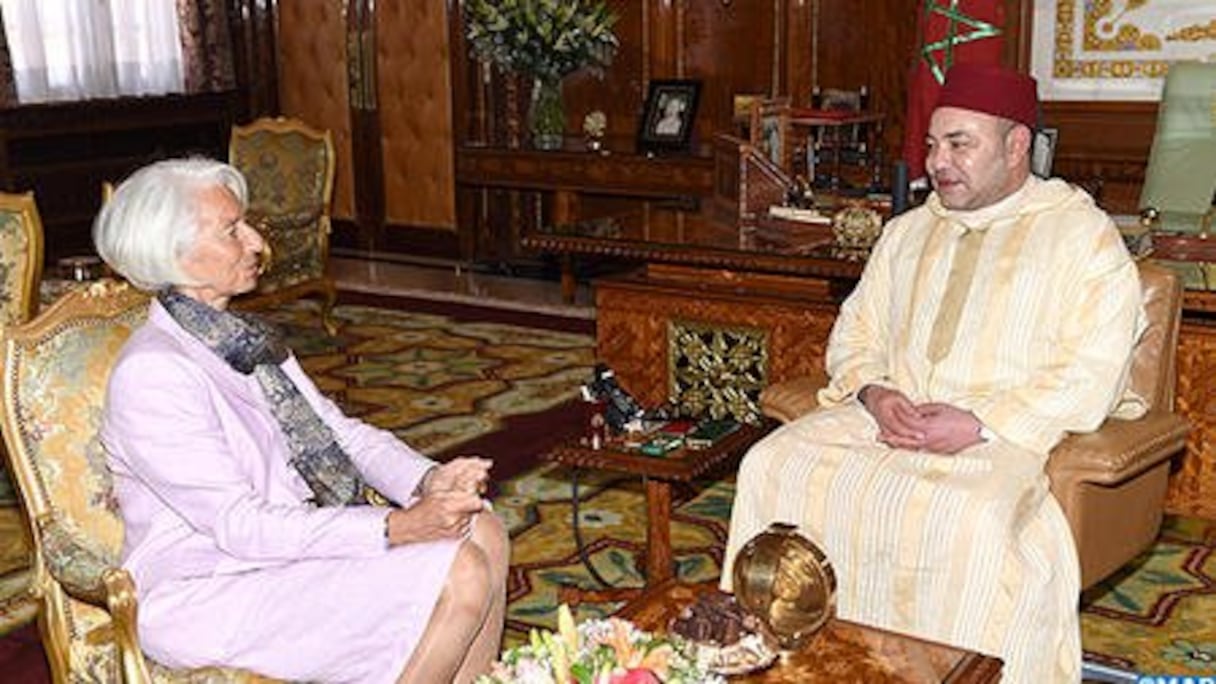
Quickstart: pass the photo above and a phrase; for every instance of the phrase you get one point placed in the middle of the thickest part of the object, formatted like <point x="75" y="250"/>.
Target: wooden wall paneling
<point x="312" y="83"/>
<point x="872" y="43"/>
<point x="367" y="155"/>
<point x="622" y="89"/>
<point x="731" y="48"/>
<point x="254" y="28"/>
<point x="415" y="111"/>
<point x="799" y="56"/>
<point x="661" y="40"/>
<point x="1103" y="145"/>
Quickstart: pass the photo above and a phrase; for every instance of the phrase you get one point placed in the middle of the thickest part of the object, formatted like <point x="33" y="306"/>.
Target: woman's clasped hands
<point x="448" y="499"/>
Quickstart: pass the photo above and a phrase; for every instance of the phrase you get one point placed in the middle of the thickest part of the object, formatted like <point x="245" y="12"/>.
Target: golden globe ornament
<point x="856" y="228"/>
<point x="785" y="581"/>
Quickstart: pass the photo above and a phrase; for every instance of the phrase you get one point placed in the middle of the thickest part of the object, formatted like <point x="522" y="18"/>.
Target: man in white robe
<point x="989" y="322"/>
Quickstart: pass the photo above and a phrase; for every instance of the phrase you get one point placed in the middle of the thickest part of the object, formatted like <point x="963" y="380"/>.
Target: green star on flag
<point x="939" y="54"/>
<point x="950" y="31"/>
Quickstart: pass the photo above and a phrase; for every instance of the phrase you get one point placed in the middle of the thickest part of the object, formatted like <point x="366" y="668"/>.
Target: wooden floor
<point x="437" y="280"/>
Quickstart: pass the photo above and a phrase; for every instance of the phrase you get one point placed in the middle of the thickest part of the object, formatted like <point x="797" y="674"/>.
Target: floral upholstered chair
<point x="55" y="372"/>
<point x="20" y="275"/>
<point x="289" y="167"/>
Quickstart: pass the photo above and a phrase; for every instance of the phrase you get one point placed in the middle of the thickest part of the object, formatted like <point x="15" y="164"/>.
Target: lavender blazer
<point x="201" y="466"/>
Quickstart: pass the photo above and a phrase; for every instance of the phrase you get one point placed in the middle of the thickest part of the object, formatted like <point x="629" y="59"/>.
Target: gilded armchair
<point x="1111" y="482"/>
<point x="20" y="257"/>
<point x="289" y="167"/>
<point x="55" y="372"/>
<point x="20" y="275"/>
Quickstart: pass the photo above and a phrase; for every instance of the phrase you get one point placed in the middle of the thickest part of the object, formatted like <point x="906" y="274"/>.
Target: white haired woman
<point x="244" y="490"/>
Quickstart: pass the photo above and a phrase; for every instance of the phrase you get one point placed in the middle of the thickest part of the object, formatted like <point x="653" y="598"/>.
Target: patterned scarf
<point x="252" y="346"/>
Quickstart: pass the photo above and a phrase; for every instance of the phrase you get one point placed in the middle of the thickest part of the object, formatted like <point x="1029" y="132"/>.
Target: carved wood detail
<point x="1192" y="489"/>
<point x="632" y="328"/>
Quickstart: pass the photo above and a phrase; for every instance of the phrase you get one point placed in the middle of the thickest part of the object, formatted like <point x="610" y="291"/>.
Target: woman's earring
<point x="265" y="258"/>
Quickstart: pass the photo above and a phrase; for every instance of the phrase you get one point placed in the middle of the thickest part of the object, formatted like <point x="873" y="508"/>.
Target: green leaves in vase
<point x="547" y="39"/>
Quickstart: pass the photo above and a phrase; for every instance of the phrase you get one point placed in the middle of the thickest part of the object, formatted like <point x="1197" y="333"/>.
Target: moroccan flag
<point x="950" y="31"/>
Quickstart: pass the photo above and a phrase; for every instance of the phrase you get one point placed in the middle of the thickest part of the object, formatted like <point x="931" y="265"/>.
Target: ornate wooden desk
<point x="841" y="652"/>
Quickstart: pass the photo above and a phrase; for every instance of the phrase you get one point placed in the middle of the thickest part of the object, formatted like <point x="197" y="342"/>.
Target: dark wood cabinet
<point x="64" y="151"/>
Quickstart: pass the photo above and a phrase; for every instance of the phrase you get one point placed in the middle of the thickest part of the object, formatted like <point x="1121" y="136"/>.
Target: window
<point x="82" y="49"/>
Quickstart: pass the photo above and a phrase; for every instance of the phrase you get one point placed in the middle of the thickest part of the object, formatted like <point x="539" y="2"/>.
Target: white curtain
<point x="82" y="49"/>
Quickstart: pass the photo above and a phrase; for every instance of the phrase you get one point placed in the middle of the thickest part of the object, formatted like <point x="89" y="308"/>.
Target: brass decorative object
<point x="856" y="229"/>
<point x="786" y="582"/>
<point x="717" y="371"/>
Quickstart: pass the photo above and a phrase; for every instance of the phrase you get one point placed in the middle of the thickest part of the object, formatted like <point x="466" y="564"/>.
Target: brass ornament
<point x="856" y="229"/>
<point x="785" y="581"/>
<point x="717" y="371"/>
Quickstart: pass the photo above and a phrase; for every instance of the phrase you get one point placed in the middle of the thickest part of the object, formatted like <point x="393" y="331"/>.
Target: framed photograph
<point x="770" y="130"/>
<point x="1042" y="151"/>
<point x="667" y="119"/>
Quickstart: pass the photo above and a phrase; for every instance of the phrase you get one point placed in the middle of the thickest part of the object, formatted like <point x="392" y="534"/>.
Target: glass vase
<point x="546" y="114"/>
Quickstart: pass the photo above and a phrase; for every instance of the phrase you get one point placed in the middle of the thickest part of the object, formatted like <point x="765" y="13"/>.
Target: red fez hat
<point x="993" y="90"/>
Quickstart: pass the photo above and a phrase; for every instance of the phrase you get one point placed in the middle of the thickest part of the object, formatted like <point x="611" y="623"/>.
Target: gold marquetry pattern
<point x="716" y="370"/>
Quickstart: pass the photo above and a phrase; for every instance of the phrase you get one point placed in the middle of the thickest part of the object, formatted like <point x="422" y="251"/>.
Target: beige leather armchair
<point x="1111" y="483"/>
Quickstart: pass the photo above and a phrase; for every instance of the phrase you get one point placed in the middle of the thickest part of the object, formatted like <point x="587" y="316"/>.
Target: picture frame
<point x="668" y="116"/>
<point x="769" y="131"/>
<point x="1043" y="151"/>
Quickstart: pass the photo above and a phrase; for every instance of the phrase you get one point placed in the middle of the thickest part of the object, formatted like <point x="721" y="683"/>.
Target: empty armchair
<point x="289" y="167"/>
<point x="20" y="276"/>
<point x="1110" y="483"/>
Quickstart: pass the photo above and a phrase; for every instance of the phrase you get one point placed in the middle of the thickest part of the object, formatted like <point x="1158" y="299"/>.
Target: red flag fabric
<point x="952" y="31"/>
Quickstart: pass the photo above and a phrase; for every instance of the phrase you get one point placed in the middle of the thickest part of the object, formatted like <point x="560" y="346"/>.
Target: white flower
<point x="595" y="123"/>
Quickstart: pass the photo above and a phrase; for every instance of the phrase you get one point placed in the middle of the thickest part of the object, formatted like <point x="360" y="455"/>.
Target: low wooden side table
<point x="658" y="473"/>
<point x="840" y="652"/>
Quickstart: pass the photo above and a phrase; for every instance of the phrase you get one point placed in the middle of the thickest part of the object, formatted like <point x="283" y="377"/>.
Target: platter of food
<point x="727" y="641"/>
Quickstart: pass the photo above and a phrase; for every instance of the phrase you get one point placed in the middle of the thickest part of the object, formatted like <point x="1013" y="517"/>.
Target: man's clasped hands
<point x="934" y="426"/>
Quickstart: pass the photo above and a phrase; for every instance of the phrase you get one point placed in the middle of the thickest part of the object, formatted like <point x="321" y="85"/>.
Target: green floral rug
<point x="1158" y="616"/>
<point x="437" y="381"/>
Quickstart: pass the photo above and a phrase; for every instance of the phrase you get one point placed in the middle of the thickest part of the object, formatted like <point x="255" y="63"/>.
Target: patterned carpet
<point x="437" y="380"/>
<point x="1158" y="617"/>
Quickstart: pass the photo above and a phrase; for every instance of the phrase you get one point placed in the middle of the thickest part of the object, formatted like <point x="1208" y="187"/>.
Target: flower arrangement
<point x="547" y="39"/>
<point x="595" y="123"/>
<point x="610" y="651"/>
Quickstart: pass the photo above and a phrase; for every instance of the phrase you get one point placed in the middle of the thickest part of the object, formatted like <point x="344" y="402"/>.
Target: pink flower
<point x="637" y="675"/>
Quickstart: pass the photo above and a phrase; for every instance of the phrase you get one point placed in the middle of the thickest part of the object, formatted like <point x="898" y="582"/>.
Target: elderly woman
<point x="244" y="490"/>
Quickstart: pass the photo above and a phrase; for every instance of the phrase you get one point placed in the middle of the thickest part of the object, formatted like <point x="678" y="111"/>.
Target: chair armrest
<point x="1119" y="449"/>
<point x="80" y="570"/>
<point x="792" y="399"/>
<point x="91" y="576"/>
